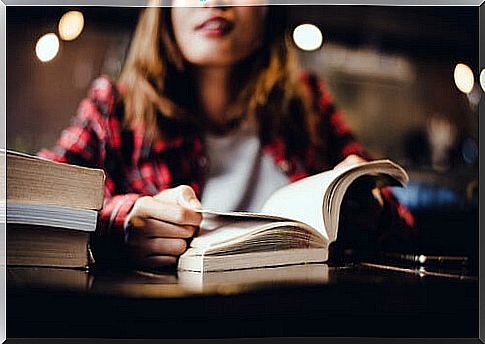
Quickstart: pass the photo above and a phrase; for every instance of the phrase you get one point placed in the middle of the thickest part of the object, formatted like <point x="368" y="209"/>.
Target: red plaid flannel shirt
<point x="134" y="168"/>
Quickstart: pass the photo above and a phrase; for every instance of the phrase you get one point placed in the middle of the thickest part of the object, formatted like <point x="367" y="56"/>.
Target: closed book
<point x="33" y="277"/>
<point x="31" y="245"/>
<point x="49" y="209"/>
<point x="32" y="179"/>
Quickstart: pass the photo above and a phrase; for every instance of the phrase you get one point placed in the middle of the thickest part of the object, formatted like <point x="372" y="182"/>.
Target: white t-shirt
<point x="241" y="177"/>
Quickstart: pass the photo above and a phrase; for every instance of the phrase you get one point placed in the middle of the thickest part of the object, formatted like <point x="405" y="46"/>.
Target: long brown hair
<point x="158" y="87"/>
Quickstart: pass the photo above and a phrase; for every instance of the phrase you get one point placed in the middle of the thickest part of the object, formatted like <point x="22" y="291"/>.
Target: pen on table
<point x="425" y="259"/>
<point x="419" y="259"/>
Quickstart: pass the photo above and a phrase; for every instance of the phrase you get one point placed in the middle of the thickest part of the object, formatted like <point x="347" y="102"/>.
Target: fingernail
<point x="137" y="222"/>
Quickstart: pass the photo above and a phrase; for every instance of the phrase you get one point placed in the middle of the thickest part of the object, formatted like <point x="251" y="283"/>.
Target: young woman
<point x="211" y="107"/>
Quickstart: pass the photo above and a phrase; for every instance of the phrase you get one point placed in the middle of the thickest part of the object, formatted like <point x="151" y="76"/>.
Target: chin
<point x="213" y="59"/>
<point x="214" y="63"/>
<point x="213" y="53"/>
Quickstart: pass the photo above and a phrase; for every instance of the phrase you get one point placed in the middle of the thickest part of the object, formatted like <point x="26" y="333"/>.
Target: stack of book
<point x="51" y="209"/>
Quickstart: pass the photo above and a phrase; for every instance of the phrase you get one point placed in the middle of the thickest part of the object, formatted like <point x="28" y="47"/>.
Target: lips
<point x="215" y="27"/>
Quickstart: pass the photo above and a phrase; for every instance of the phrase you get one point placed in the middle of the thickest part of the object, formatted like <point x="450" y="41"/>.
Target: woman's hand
<point x="361" y="209"/>
<point x="350" y="160"/>
<point x="159" y="226"/>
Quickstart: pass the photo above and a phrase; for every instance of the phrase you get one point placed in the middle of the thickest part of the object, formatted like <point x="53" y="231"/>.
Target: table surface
<point x="345" y="299"/>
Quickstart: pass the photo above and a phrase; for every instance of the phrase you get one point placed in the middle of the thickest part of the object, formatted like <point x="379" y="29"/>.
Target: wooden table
<point x="350" y="299"/>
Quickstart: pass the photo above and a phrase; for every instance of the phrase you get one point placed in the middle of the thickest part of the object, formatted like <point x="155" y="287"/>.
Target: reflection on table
<point x="352" y="299"/>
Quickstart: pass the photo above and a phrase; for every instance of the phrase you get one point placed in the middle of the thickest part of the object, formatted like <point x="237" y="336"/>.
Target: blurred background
<point x="406" y="78"/>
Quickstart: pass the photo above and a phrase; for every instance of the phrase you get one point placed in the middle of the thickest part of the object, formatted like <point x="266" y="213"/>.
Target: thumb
<point x="350" y="160"/>
<point x="186" y="197"/>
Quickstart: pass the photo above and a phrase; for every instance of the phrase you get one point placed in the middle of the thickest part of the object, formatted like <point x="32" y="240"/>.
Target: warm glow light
<point x="464" y="79"/>
<point x="71" y="25"/>
<point x="47" y="47"/>
<point x="307" y="37"/>
<point x="482" y="79"/>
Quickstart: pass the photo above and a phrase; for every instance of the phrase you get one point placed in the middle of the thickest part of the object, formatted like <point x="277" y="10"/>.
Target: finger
<point x="376" y="192"/>
<point x="184" y="195"/>
<point x="150" y="207"/>
<point x="350" y="160"/>
<point x="160" y="246"/>
<point x="157" y="261"/>
<point x="154" y="228"/>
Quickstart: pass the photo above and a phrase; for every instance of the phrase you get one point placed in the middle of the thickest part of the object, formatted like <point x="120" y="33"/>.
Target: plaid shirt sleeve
<point x="84" y="143"/>
<point x="397" y="228"/>
<point x="339" y="141"/>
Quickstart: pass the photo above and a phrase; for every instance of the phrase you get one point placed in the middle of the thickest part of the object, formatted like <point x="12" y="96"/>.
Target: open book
<point x="296" y="225"/>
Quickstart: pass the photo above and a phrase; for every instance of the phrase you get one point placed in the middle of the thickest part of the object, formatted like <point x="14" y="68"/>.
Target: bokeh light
<point x="307" y="37"/>
<point x="47" y="47"/>
<point x="71" y="25"/>
<point x="464" y="79"/>
<point x="482" y="79"/>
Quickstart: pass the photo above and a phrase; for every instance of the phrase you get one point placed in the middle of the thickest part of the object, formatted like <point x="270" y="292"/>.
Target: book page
<point x="49" y="215"/>
<point x="383" y="173"/>
<point x="220" y="229"/>
<point x="300" y="201"/>
<point x="315" y="200"/>
<point x="303" y="200"/>
<point x="210" y="213"/>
